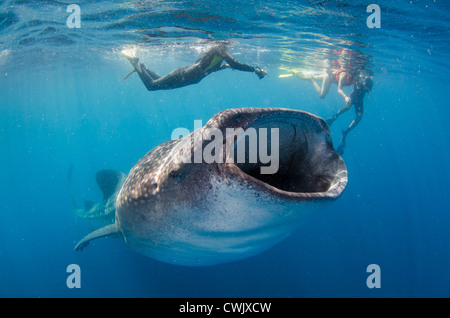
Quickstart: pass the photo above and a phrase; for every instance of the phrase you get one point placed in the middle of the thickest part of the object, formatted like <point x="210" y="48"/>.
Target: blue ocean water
<point x="63" y="102"/>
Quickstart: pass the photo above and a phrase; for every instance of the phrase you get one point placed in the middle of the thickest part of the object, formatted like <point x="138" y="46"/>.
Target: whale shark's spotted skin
<point x="203" y="214"/>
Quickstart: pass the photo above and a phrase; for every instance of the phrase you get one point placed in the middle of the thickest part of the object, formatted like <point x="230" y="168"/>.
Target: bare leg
<point x="322" y="91"/>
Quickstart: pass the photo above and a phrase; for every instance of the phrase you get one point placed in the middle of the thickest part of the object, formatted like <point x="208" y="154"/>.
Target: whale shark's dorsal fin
<point x="107" y="181"/>
<point x="109" y="230"/>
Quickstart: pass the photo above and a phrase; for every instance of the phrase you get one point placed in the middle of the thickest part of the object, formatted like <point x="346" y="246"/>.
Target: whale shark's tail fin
<point x="107" y="231"/>
<point x="128" y="75"/>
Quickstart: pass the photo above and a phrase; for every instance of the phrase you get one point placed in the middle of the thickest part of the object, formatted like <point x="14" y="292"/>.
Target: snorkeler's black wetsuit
<point x="357" y="99"/>
<point x="210" y="61"/>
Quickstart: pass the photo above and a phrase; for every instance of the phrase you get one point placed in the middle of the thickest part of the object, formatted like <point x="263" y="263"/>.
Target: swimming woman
<point x="343" y="74"/>
<point x="341" y="77"/>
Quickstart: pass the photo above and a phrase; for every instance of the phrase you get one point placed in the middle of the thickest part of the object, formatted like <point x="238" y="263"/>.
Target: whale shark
<point x="109" y="182"/>
<point x="198" y="214"/>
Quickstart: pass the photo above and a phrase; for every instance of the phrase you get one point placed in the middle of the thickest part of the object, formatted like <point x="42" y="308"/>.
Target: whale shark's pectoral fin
<point x="107" y="231"/>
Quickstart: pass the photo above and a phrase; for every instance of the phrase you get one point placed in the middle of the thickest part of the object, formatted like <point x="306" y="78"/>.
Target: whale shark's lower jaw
<point x="237" y="220"/>
<point x="241" y="222"/>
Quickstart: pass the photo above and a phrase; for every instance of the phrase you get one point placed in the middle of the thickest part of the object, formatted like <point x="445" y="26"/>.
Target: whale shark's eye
<point x="176" y="175"/>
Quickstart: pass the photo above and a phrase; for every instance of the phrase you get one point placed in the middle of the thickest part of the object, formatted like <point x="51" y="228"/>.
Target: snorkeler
<point x="341" y="73"/>
<point x="210" y="61"/>
<point x="341" y="77"/>
<point x="362" y="86"/>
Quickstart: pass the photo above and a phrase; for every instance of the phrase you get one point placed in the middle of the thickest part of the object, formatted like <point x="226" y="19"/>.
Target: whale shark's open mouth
<point x="299" y="151"/>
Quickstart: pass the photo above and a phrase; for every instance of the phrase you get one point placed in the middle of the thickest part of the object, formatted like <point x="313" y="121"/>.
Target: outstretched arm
<point x="235" y="64"/>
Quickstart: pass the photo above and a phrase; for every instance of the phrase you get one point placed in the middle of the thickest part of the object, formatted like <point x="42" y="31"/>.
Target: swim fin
<point x="341" y="148"/>
<point x="285" y="75"/>
<point x="128" y="75"/>
<point x="330" y="120"/>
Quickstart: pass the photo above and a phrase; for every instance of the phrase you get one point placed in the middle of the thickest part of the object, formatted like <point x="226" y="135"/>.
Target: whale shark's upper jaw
<point x="308" y="166"/>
